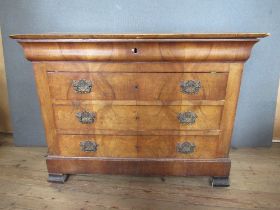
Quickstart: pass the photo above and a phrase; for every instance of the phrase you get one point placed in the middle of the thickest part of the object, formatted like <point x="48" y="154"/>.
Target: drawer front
<point x="138" y="146"/>
<point x="131" y="50"/>
<point x="137" y="118"/>
<point x="137" y="86"/>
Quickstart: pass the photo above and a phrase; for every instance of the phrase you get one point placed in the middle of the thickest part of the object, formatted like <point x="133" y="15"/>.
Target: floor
<point x="255" y="184"/>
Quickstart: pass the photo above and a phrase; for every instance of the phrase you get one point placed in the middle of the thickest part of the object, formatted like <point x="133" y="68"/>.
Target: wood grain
<point x="190" y="51"/>
<point x="138" y="86"/>
<point x="40" y="75"/>
<point x="137" y="146"/>
<point x="140" y="167"/>
<point x="137" y="118"/>
<point x="5" y="122"/>
<point x="137" y="67"/>
<point x="228" y="116"/>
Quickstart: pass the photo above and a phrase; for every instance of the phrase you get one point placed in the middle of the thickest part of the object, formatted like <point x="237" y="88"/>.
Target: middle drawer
<point x="136" y="118"/>
<point x="137" y="86"/>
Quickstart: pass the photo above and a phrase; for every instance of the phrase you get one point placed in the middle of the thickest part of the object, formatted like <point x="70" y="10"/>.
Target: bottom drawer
<point x="138" y="146"/>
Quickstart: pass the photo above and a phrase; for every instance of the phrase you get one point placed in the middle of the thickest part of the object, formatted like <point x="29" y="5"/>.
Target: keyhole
<point x="136" y="87"/>
<point x="134" y="50"/>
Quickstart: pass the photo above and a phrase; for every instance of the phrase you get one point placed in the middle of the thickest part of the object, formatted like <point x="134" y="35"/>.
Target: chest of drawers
<point x="147" y="104"/>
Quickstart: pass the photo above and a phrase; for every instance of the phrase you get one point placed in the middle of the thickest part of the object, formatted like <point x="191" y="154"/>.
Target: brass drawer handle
<point x="88" y="146"/>
<point x="86" y="117"/>
<point x="185" y="147"/>
<point x="187" y="117"/>
<point x="82" y="86"/>
<point x="190" y="87"/>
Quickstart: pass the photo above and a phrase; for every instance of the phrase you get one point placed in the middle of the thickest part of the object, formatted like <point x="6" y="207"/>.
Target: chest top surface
<point x="58" y="36"/>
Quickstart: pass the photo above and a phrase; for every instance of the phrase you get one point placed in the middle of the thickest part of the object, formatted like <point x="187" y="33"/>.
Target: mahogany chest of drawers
<point x="139" y="104"/>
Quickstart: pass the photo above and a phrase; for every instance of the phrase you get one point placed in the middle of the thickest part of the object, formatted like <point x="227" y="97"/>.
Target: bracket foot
<point x="217" y="181"/>
<point x="58" y="178"/>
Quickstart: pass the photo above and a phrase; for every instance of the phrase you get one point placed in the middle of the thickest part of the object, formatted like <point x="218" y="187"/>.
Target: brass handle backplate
<point x="187" y="117"/>
<point x="82" y="86"/>
<point x="185" y="147"/>
<point x="88" y="146"/>
<point x="190" y="87"/>
<point x="86" y="117"/>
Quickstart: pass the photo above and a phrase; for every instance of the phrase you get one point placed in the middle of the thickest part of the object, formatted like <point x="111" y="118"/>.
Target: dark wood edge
<point x="134" y="40"/>
<point x="139" y="166"/>
<point x="142" y="36"/>
<point x="183" y="102"/>
<point x="140" y="133"/>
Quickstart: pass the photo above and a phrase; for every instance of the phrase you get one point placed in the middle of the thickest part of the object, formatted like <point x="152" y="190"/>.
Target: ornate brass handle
<point x="82" y="86"/>
<point x="185" y="147"/>
<point x="88" y="146"/>
<point x="190" y="87"/>
<point x="86" y="117"/>
<point x="187" y="117"/>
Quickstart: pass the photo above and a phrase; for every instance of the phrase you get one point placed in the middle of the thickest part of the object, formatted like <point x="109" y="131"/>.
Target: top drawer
<point x="132" y="50"/>
<point x="137" y="86"/>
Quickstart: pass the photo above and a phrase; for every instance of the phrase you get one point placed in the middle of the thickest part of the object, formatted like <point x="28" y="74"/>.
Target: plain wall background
<point x="254" y="120"/>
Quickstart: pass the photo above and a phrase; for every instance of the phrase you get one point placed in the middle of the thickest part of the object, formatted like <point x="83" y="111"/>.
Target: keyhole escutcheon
<point x="134" y="50"/>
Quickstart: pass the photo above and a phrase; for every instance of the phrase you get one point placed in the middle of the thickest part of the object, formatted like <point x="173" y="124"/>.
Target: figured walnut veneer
<point x="141" y="104"/>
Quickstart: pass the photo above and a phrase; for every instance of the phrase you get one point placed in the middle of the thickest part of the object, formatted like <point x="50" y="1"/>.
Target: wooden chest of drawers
<point x="138" y="104"/>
